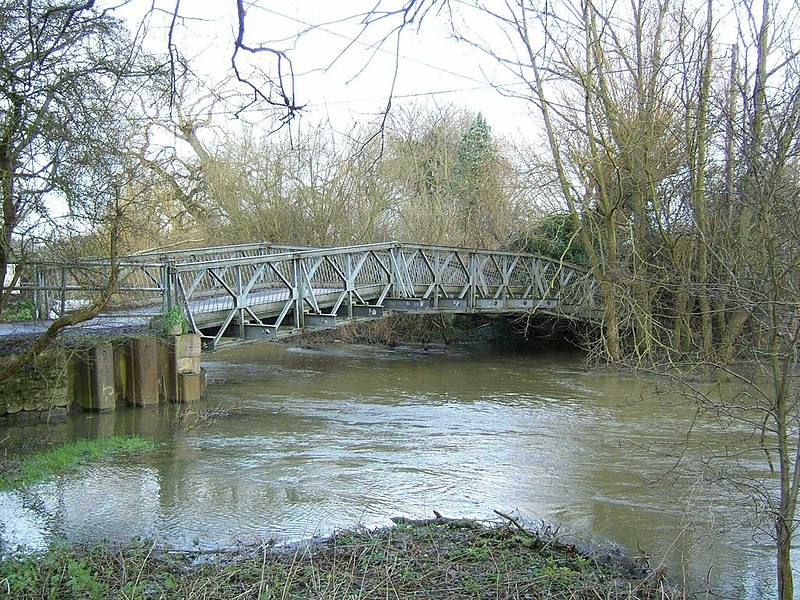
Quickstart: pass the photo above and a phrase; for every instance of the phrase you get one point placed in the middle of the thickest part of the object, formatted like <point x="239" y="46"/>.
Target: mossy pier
<point x="140" y="371"/>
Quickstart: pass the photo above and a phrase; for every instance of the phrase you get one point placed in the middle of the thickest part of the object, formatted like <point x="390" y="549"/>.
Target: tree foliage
<point x="553" y="235"/>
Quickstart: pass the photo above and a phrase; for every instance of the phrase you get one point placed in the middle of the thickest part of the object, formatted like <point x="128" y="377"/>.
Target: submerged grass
<point x="67" y="458"/>
<point x="411" y="560"/>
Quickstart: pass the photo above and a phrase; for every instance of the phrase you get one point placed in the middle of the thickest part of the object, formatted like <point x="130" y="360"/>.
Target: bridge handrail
<point x="158" y="257"/>
<point x="198" y="253"/>
<point x="283" y="256"/>
<point x="486" y="251"/>
<point x="334" y="251"/>
<point x="53" y="264"/>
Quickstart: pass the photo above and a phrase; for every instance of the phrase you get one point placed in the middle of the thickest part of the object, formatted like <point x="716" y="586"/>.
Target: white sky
<point x="353" y="89"/>
<point x="349" y="86"/>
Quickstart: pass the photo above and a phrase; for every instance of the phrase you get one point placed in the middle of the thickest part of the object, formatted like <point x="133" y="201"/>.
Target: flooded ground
<point x="294" y="442"/>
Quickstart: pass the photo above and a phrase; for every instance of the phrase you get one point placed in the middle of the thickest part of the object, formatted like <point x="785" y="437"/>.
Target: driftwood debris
<point x="439" y="520"/>
<point x="464" y="523"/>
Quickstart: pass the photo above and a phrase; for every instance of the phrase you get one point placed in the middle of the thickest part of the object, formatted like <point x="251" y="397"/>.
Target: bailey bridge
<point x="266" y="291"/>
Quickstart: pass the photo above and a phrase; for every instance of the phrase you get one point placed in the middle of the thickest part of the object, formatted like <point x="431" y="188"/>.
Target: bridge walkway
<point x="264" y="291"/>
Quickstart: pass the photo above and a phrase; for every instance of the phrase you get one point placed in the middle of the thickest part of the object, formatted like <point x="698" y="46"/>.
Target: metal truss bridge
<point x="264" y="291"/>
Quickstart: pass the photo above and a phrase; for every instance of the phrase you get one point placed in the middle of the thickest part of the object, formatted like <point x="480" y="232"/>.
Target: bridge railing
<point x="485" y="279"/>
<point x="191" y="255"/>
<point x="271" y="286"/>
<point x="57" y="288"/>
<point x="239" y="291"/>
<point x="143" y="278"/>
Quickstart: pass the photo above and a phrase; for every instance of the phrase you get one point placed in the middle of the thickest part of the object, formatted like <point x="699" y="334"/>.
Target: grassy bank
<point x="66" y="458"/>
<point x="441" y="558"/>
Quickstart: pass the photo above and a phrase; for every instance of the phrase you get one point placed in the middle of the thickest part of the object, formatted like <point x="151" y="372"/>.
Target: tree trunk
<point x="730" y="336"/>
<point x="699" y="191"/>
<point x="783" y="531"/>
<point x="8" y="164"/>
<point x="610" y="321"/>
<point x="680" y="328"/>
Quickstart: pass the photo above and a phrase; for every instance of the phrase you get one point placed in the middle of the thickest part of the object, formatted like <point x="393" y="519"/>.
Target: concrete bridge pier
<point x="140" y="372"/>
<point x="182" y="377"/>
<point x="91" y="378"/>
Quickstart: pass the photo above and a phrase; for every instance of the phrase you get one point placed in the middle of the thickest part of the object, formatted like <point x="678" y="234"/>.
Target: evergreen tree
<point x="477" y="183"/>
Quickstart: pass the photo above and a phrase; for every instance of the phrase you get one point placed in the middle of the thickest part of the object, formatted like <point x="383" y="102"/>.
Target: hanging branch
<point x="287" y="96"/>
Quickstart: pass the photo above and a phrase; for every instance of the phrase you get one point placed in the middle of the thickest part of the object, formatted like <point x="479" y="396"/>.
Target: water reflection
<point x="294" y="442"/>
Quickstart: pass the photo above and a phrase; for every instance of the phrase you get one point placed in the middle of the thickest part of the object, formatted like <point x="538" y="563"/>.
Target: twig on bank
<point x="515" y="523"/>
<point x="439" y="520"/>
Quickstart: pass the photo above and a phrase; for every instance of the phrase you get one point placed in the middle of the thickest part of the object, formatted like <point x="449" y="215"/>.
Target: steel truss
<point x="261" y="290"/>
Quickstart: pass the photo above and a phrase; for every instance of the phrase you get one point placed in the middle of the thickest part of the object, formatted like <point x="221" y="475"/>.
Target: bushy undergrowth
<point x="422" y="329"/>
<point x="18" y="310"/>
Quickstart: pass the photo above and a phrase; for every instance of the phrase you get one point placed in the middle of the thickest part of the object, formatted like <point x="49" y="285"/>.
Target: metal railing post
<point x="240" y="300"/>
<point x="63" y="293"/>
<point x="40" y="292"/>
<point x="473" y="279"/>
<point x="396" y="277"/>
<point x="169" y="287"/>
<point x="298" y="292"/>
<point x="349" y="284"/>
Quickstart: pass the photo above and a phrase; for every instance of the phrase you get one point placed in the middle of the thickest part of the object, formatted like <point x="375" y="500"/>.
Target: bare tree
<point x="310" y="188"/>
<point x="677" y="160"/>
<point x="68" y="74"/>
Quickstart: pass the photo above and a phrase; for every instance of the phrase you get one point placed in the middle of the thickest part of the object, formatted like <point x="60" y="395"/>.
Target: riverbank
<point x="435" y="559"/>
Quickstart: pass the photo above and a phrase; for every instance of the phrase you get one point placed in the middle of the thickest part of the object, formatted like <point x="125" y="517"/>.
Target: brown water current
<point x="294" y="442"/>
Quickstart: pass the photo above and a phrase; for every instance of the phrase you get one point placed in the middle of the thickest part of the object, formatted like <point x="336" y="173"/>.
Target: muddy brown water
<point x="293" y="442"/>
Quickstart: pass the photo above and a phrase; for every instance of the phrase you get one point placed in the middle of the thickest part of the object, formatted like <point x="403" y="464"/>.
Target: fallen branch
<point x="515" y="523"/>
<point x="439" y="520"/>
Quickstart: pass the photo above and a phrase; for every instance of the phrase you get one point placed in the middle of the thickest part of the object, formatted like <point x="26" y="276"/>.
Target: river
<point x="294" y="442"/>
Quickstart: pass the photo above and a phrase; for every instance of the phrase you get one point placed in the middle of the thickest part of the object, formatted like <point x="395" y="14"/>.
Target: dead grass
<point x="424" y="560"/>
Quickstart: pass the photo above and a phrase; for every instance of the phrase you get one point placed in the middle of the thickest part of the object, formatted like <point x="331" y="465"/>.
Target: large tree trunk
<point x="699" y="189"/>
<point x="788" y="471"/>
<point x="610" y="321"/>
<point x="8" y="164"/>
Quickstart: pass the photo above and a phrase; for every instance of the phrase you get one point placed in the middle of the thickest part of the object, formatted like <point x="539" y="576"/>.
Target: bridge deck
<point x="260" y="290"/>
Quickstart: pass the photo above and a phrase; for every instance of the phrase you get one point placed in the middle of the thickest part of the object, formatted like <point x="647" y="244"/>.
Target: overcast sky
<point x="345" y="74"/>
<point x="336" y="78"/>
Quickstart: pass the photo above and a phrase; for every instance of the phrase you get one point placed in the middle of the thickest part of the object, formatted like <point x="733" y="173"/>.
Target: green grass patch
<point x="68" y="458"/>
<point x="18" y="310"/>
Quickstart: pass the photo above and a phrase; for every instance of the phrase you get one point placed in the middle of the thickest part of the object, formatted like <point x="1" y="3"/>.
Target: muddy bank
<point x="441" y="558"/>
